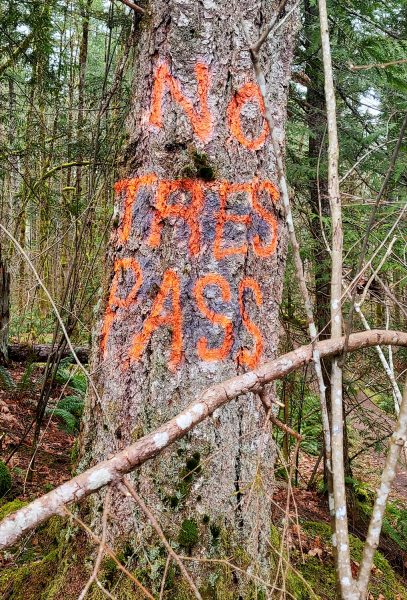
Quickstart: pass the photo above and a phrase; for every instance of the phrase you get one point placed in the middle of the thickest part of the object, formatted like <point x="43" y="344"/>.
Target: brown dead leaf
<point x="315" y="552"/>
<point x="354" y="568"/>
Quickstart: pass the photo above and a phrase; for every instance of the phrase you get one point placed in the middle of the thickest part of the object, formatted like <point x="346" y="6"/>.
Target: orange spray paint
<point x="189" y="212"/>
<point x="250" y="92"/>
<point x="114" y="302"/>
<point x="160" y="316"/>
<point x="225" y="189"/>
<point x="268" y="217"/>
<point x="131" y="186"/>
<point x="245" y="357"/>
<point x="205" y="353"/>
<point x="202" y="122"/>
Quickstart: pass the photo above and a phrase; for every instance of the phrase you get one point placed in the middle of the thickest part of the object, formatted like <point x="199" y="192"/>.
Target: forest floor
<point x="53" y="463"/>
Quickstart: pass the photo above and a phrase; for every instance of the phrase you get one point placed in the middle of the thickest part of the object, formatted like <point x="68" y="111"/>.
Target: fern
<point x="68" y="420"/>
<point x="6" y="379"/>
<point x="68" y="411"/>
<point x="72" y="404"/>
<point x="76" y="381"/>
<point x="26" y="380"/>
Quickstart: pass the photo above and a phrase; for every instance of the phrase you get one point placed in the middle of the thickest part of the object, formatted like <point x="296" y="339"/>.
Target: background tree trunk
<point x="152" y="358"/>
<point x="4" y="310"/>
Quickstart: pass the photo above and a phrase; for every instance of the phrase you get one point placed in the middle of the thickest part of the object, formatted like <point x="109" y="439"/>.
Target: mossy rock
<point x="5" y="479"/>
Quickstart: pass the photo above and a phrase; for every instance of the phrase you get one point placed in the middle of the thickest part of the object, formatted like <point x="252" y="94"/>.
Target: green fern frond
<point x="72" y="404"/>
<point x="26" y="380"/>
<point x="68" y="420"/>
<point x="6" y="379"/>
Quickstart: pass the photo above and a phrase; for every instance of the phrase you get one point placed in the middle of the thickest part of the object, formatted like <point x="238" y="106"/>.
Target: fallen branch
<point x="40" y="353"/>
<point x="149" y="446"/>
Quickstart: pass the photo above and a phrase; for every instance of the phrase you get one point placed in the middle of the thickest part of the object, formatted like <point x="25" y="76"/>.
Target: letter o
<point x="248" y="93"/>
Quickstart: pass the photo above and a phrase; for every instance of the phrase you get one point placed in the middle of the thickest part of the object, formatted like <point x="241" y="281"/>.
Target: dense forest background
<point x="66" y="73"/>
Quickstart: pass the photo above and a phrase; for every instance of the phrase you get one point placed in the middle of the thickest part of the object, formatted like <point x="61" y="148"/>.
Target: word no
<point x="202" y="120"/>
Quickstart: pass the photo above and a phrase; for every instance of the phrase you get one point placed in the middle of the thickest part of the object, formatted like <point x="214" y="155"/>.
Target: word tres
<point x="169" y="201"/>
<point x="166" y="312"/>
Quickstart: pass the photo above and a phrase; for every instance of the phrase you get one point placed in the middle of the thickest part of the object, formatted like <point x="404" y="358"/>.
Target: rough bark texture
<point x="145" y="380"/>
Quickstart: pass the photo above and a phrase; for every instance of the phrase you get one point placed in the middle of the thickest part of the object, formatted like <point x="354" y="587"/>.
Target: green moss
<point x="189" y="534"/>
<point x="321" y="576"/>
<point x="75" y="453"/>
<point x="394" y="522"/>
<point x="10" y="507"/>
<point x="203" y="168"/>
<point x="192" y="463"/>
<point x="215" y="532"/>
<point x="186" y="476"/>
<point x="29" y="581"/>
<point x="5" y="479"/>
<point x="199" y="167"/>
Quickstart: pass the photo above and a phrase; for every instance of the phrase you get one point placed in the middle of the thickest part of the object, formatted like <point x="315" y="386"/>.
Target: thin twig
<point x="61" y="323"/>
<point x="128" y="489"/>
<point x="376" y="271"/>
<point x="401" y="61"/>
<point x="133" y="6"/>
<point x="101" y="551"/>
<point x="275" y="420"/>
<point x="167" y="564"/>
<point x="382" y="190"/>
<point x="110" y="552"/>
<point x="269" y="28"/>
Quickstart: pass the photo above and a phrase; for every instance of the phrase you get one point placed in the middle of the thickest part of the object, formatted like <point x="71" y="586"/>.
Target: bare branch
<point x="401" y="61"/>
<point x="397" y="442"/>
<point x="102" y="550"/>
<point x="149" y="446"/>
<point x="110" y="552"/>
<point x="128" y="490"/>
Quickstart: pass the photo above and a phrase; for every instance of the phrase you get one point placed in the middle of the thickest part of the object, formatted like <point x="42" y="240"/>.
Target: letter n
<point x="202" y="122"/>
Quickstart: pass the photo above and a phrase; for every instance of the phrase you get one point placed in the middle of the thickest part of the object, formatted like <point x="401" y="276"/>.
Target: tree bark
<point x="4" y="310"/>
<point x="197" y="262"/>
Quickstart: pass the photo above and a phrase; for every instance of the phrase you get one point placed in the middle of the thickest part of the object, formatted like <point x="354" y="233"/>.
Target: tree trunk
<point x="196" y="263"/>
<point x="4" y="310"/>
